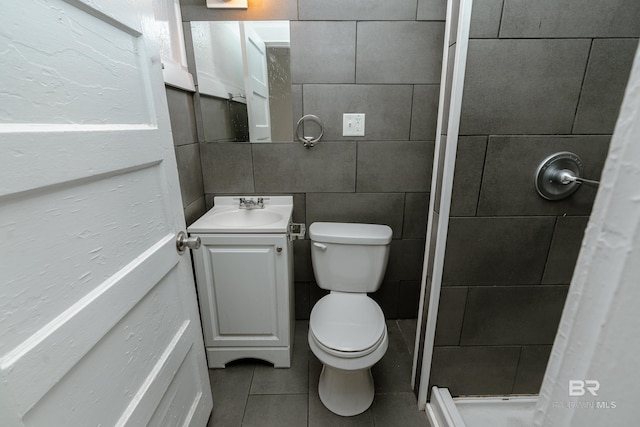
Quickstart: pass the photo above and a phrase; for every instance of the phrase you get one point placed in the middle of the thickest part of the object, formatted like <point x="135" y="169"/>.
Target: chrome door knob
<point x="183" y="242"/>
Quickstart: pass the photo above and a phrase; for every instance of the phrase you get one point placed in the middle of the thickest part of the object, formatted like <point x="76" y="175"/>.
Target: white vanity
<point x="244" y="277"/>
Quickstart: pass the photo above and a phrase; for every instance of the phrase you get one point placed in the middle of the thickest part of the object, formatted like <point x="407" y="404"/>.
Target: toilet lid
<point x="347" y="322"/>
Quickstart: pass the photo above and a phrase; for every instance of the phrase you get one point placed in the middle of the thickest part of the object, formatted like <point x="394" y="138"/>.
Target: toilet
<point x="347" y="330"/>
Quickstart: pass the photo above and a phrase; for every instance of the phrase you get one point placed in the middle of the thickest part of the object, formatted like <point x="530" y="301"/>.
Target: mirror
<point x="244" y="82"/>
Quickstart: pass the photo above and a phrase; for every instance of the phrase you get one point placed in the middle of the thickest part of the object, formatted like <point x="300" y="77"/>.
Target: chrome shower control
<point x="557" y="176"/>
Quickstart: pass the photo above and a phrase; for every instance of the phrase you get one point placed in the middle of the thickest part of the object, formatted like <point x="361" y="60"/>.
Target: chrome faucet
<point x="251" y="203"/>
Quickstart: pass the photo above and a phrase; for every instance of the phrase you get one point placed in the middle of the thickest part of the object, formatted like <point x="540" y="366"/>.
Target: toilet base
<point x="346" y="393"/>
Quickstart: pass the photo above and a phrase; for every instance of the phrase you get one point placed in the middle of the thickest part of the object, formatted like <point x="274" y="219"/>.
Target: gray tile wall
<point x="187" y="148"/>
<point x="541" y="77"/>
<point x="347" y="56"/>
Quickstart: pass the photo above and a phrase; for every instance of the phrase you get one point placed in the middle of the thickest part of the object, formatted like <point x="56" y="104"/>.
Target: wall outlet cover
<point x="353" y="124"/>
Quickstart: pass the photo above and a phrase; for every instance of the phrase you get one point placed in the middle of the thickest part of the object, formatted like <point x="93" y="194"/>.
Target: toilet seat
<point x="347" y="325"/>
<point x="347" y="354"/>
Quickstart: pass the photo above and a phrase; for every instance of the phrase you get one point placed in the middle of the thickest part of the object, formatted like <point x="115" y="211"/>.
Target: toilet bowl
<point x="347" y="333"/>
<point x="347" y="330"/>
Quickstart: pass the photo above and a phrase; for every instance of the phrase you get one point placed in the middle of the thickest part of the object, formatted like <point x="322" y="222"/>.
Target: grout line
<point x="246" y="400"/>
<point x="280" y="394"/>
<point x="355" y="55"/>
<point x="546" y="261"/>
<point x="513" y="383"/>
<point x="494" y="345"/>
<point x="484" y="165"/>
<point x="500" y="22"/>
<point x="584" y="77"/>
<point x="404" y="212"/>
<point x="412" y="104"/>
<point x="253" y="172"/>
<point x="464" y="310"/>
<point x="355" y="172"/>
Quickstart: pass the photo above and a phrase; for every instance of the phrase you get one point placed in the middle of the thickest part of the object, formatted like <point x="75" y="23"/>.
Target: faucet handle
<point x="251" y="202"/>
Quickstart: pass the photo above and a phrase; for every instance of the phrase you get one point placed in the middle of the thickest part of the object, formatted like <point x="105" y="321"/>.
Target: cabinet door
<point x="243" y="290"/>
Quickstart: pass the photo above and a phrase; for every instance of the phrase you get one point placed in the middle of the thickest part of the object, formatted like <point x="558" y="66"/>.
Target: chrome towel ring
<point x="308" y="141"/>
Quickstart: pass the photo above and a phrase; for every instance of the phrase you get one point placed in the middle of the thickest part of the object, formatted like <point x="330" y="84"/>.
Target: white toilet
<point x="347" y="331"/>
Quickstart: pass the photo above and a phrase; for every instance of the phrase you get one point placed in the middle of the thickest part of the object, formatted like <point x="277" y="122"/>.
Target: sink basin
<point x="245" y="217"/>
<point x="227" y="217"/>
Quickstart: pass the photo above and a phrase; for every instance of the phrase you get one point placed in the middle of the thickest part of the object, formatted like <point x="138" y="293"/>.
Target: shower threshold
<point x="494" y="411"/>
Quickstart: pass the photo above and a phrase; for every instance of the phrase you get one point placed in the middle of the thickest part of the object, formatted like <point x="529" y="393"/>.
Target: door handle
<point x="183" y="242"/>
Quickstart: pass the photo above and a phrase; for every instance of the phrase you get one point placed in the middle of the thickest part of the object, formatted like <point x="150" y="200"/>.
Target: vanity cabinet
<point x="245" y="291"/>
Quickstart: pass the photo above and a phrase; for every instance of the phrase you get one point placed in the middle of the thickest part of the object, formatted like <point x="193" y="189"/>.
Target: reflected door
<point x="256" y="77"/>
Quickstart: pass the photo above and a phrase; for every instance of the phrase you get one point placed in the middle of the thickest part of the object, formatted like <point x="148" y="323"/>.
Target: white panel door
<point x="98" y="314"/>
<point x="256" y="82"/>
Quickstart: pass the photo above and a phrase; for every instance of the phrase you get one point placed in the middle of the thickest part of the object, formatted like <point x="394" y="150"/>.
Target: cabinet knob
<point x="279" y="249"/>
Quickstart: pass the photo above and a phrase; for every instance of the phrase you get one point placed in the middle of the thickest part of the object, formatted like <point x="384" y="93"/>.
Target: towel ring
<point x="309" y="141"/>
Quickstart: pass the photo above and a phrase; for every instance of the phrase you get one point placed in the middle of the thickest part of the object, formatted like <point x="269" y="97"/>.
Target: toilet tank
<point x="349" y="257"/>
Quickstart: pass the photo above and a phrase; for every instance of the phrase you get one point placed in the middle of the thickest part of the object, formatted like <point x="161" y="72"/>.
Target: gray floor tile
<point x="392" y="373"/>
<point x="280" y="410"/>
<point x="251" y="393"/>
<point x="230" y="388"/>
<point x="398" y="409"/>
<point x="408" y="330"/>
<point x="267" y="380"/>
<point x="477" y="370"/>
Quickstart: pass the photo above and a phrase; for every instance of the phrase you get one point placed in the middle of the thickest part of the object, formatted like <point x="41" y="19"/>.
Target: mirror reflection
<point x="244" y="80"/>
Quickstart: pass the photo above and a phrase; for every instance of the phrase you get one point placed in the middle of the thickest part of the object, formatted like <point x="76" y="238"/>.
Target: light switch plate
<point x="353" y="124"/>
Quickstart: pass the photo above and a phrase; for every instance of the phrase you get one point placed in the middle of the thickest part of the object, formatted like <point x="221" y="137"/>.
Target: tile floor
<point x="252" y="393"/>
